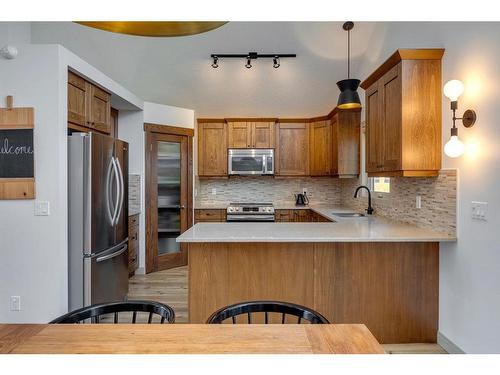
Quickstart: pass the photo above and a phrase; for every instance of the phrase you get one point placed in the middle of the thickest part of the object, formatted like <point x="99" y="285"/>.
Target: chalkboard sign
<point x="16" y="153"/>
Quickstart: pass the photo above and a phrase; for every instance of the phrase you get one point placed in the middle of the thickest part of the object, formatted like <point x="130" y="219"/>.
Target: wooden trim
<point x="251" y="119"/>
<point x="168" y="129"/>
<point x="432" y="173"/>
<point x="396" y="57"/>
<point x="209" y="120"/>
<point x="114" y="123"/>
<point x="84" y="129"/>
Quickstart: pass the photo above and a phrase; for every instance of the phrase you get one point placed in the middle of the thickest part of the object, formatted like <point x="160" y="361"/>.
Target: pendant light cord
<point x="348" y="54"/>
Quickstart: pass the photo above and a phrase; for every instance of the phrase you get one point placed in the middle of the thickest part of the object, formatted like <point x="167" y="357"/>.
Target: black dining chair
<point x="98" y="313"/>
<point x="266" y="307"/>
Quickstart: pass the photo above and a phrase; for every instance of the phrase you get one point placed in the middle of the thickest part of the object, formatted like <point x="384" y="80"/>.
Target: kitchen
<point x="240" y="200"/>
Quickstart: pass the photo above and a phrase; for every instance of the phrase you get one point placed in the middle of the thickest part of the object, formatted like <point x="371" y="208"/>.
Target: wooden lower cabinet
<point x="391" y="287"/>
<point x="209" y="215"/>
<point x="299" y="216"/>
<point x="133" y="244"/>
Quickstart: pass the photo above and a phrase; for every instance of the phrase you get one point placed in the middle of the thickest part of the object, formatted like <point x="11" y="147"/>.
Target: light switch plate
<point x="42" y="208"/>
<point x="15" y="303"/>
<point x="214" y="191"/>
<point x="479" y="210"/>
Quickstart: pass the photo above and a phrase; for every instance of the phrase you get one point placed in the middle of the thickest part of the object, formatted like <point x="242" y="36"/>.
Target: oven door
<point x="250" y="162"/>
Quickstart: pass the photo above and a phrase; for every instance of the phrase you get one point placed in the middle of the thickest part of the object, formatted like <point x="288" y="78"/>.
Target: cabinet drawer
<point x="209" y="215"/>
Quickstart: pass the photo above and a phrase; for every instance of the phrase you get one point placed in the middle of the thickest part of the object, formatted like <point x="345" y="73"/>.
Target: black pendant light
<point x="348" y="97"/>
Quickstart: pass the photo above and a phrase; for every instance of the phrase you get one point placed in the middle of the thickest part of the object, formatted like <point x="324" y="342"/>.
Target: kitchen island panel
<point x="393" y="288"/>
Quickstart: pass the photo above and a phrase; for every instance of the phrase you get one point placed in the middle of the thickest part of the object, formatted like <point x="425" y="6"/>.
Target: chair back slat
<point x="101" y="313"/>
<point x="285" y="308"/>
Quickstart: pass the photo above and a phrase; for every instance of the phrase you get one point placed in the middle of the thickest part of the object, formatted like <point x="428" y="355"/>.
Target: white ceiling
<point x="177" y="71"/>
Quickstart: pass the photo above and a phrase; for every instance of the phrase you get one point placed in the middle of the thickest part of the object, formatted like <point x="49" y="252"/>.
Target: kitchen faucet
<point x="369" y="210"/>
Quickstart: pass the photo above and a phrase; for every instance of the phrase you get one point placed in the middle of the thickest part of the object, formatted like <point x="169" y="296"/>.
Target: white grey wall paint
<point x="168" y="115"/>
<point x="15" y="33"/>
<point x="33" y="248"/>
<point x="469" y="289"/>
<point x="177" y="71"/>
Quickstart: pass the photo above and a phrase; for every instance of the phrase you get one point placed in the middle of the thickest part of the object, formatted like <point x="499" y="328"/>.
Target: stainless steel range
<point x="250" y="212"/>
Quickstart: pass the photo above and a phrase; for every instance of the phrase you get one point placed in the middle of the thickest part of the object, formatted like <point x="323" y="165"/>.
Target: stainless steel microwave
<point x="250" y="161"/>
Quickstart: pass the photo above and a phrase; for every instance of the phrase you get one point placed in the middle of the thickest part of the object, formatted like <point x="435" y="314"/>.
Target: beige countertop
<point x="364" y="229"/>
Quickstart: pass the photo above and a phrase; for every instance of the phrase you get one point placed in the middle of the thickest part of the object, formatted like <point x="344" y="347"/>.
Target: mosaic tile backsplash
<point x="134" y="193"/>
<point x="279" y="191"/>
<point x="438" y="195"/>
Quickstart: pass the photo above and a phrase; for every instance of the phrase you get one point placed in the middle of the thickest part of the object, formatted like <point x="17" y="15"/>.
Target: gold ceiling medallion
<point x="154" y="28"/>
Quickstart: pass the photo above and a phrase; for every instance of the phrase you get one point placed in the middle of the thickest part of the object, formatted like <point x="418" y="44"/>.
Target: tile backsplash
<point x="134" y="193"/>
<point x="438" y="196"/>
<point x="279" y="191"/>
<point x="438" y="200"/>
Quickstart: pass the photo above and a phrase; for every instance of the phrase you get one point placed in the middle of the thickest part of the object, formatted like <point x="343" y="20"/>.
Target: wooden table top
<point x="187" y="339"/>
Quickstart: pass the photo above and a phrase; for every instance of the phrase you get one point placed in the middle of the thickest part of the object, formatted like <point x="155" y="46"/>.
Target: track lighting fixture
<point x="215" y="63"/>
<point x="276" y="62"/>
<point x="248" y="65"/>
<point x="251" y="56"/>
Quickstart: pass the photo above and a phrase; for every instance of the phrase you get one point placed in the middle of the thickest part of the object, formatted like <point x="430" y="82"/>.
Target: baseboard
<point x="448" y="345"/>
<point x="140" y="271"/>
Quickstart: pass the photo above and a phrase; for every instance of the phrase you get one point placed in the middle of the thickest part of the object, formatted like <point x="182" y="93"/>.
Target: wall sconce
<point x="455" y="147"/>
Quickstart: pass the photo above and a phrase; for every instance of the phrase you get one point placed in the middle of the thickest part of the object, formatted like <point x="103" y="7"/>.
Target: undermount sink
<point x="348" y="214"/>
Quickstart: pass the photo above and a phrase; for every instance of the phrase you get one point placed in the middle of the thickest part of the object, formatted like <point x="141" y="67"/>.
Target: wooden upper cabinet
<point x="78" y="90"/>
<point x="320" y="148"/>
<point x="212" y="149"/>
<point x="403" y="115"/>
<point x="292" y="149"/>
<point x="246" y="134"/>
<point x="263" y="134"/>
<point x="346" y="129"/>
<point x="240" y="134"/>
<point x="88" y="105"/>
<point x="100" y="110"/>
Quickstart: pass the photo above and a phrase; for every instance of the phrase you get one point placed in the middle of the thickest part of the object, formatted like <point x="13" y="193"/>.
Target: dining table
<point x="187" y="339"/>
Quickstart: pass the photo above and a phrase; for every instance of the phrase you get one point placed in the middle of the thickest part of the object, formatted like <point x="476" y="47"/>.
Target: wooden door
<point x="390" y="89"/>
<point x="167" y="200"/>
<point x="239" y="134"/>
<point x="321" y="148"/>
<point x="292" y="151"/>
<point x="374" y="129"/>
<point x="212" y="149"/>
<point x="262" y="134"/>
<point x="100" y="110"/>
<point x="78" y="103"/>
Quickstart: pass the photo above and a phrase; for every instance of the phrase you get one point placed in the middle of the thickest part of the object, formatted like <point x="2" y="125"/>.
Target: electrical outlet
<point x="479" y="210"/>
<point x="304" y="191"/>
<point x="15" y="303"/>
<point x="42" y="208"/>
<point x="214" y="191"/>
<point x="418" y="202"/>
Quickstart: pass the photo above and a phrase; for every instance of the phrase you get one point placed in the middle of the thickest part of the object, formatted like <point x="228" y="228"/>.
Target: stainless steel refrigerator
<point x="98" y="219"/>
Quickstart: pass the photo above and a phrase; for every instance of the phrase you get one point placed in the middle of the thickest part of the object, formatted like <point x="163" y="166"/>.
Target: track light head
<point x="248" y="65"/>
<point x="276" y="62"/>
<point x="215" y="64"/>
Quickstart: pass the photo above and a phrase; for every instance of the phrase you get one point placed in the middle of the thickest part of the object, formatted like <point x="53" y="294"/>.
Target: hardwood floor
<point x="170" y="287"/>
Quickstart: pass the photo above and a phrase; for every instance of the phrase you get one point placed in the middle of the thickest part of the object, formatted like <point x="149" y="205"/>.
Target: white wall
<point x="168" y="115"/>
<point x="15" y="33"/>
<point x="469" y="283"/>
<point x="33" y="248"/>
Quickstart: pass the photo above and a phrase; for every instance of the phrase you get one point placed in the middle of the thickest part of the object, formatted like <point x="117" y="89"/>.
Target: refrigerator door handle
<point x="118" y="191"/>
<point x="112" y="255"/>
<point x="109" y="194"/>
<point x="122" y="190"/>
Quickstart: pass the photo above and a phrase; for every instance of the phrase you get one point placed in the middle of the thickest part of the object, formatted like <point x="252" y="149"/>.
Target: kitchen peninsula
<point x="366" y="270"/>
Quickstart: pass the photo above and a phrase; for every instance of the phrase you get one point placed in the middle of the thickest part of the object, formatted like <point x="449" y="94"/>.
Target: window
<point x="381" y="184"/>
